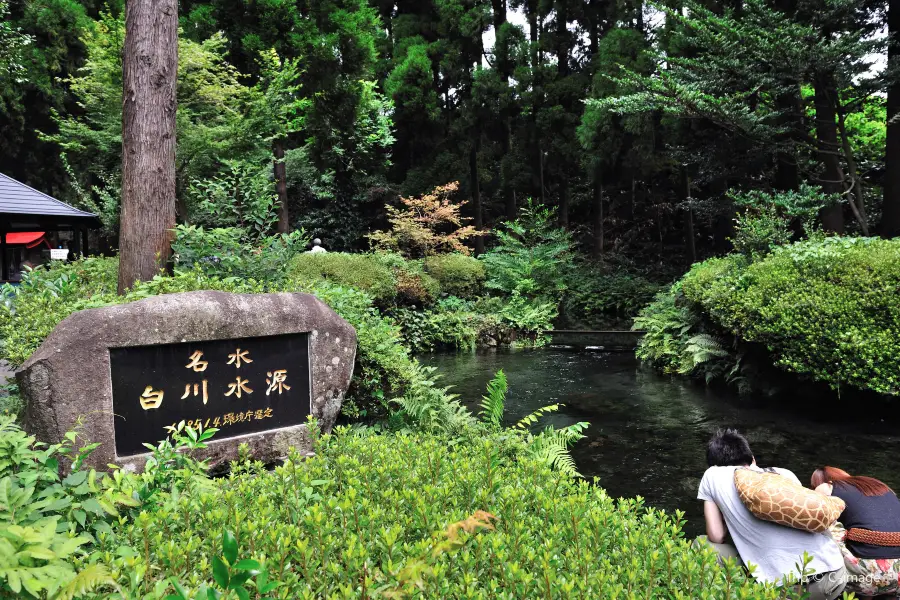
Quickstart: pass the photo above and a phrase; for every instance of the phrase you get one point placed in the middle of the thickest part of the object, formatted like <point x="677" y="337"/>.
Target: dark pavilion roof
<point x="23" y="207"/>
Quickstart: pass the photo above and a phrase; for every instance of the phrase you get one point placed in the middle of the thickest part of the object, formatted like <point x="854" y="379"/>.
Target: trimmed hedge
<point x="388" y="278"/>
<point x="827" y="308"/>
<point x="458" y="275"/>
<point x="420" y="516"/>
<point x="361" y="271"/>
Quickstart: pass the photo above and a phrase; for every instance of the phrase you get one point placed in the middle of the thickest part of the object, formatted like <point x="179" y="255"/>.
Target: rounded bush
<point x="458" y="274"/>
<point x="417" y="288"/>
<point x="825" y="308"/>
<point x="361" y="271"/>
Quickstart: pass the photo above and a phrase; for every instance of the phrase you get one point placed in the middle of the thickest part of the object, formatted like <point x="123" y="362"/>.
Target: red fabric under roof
<point x="29" y="239"/>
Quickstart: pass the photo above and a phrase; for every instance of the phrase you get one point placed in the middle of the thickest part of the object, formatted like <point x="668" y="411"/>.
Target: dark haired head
<point x="728" y="448"/>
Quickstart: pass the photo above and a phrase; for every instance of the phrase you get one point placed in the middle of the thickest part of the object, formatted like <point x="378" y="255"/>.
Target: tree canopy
<point x="637" y="122"/>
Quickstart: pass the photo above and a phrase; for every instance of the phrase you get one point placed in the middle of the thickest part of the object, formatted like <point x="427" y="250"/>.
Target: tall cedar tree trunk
<point x="531" y="8"/>
<point x="284" y="221"/>
<point x="474" y="182"/>
<point x="504" y="67"/>
<point x="562" y="69"/>
<point x="890" y="217"/>
<point x="149" y="69"/>
<point x="475" y="186"/>
<point x="829" y="149"/>
<point x="594" y="29"/>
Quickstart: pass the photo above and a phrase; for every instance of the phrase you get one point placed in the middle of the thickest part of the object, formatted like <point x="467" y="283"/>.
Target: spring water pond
<point x="648" y="432"/>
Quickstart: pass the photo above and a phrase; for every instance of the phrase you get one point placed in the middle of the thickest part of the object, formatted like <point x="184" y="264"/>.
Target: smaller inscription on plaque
<point x="238" y="386"/>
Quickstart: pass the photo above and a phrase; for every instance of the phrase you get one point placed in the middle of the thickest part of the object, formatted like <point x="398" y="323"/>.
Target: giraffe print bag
<point x="773" y="497"/>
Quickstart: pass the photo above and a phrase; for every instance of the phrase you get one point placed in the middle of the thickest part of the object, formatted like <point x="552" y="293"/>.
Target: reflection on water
<point x="648" y="433"/>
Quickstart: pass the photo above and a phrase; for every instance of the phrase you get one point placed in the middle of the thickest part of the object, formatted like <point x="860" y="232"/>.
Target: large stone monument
<point x="254" y="366"/>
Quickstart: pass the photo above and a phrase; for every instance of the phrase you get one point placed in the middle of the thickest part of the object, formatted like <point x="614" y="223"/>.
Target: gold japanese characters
<point x="276" y="382"/>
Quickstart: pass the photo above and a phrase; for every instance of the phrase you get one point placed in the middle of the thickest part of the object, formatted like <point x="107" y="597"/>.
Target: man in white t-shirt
<point x="774" y="550"/>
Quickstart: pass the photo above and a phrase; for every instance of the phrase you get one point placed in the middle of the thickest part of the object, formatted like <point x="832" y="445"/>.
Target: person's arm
<point x="716" y="529"/>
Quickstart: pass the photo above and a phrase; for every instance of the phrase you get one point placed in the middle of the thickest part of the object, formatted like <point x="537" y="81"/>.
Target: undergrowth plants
<point x="550" y="446"/>
<point x="410" y="514"/>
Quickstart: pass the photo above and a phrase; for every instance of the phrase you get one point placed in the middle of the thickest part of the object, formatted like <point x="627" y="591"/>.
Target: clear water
<point x="648" y="432"/>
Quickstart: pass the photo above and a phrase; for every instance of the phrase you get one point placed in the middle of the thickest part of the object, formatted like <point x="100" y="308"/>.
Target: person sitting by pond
<point x="774" y="550"/>
<point x="867" y="532"/>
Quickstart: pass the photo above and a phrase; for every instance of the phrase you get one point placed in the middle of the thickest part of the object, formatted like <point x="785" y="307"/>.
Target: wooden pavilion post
<point x="4" y="271"/>
<point x="76" y="244"/>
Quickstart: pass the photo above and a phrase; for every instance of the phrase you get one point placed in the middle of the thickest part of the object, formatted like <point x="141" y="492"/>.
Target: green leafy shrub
<point x="48" y="295"/>
<point x="361" y="271"/>
<point x="46" y="520"/>
<point x="388" y="278"/>
<point x="765" y="220"/>
<point x="331" y="524"/>
<point x="447" y="325"/>
<point x="458" y="275"/>
<point x="231" y="252"/>
<point x="59" y="535"/>
<point x="384" y="368"/>
<point x="824" y="308"/>
<point x="758" y="232"/>
<point x="595" y="292"/>
<point x="416" y="288"/>
<point x="528" y="319"/>
<point x="531" y="254"/>
<point x="677" y="340"/>
<point x="240" y="196"/>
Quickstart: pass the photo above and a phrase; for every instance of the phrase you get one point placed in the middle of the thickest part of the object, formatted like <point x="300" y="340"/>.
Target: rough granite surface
<point x="67" y="379"/>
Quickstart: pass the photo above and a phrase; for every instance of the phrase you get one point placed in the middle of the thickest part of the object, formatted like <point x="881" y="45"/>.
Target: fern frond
<point x="88" y="580"/>
<point x="702" y="348"/>
<point x="493" y="402"/>
<point x="529" y="420"/>
<point x="551" y="447"/>
<point x="431" y="407"/>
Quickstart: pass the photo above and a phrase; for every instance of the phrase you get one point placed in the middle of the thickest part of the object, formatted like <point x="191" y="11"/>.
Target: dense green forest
<point x="722" y="176"/>
<point x="638" y="121"/>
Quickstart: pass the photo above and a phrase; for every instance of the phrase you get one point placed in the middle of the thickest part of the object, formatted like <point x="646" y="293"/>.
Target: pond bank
<point x="648" y="432"/>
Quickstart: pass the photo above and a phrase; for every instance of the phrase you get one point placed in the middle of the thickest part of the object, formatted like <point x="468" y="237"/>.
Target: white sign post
<point x="59" y="253"/>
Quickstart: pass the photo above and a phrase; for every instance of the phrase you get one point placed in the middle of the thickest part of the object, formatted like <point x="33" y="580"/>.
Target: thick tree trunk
<point x="531" y="8"/>
<point x="829" y="153"/>
<point x="787" y="171"/>
<point x="690" y="234"/>
<point x="562" y="70"/>
<point x="284" y="221"/>
<point x="503" y="64"/>
<point x="562" y="40"/>
<point x="150" y="66"/>
<point x="890" y="216"/>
